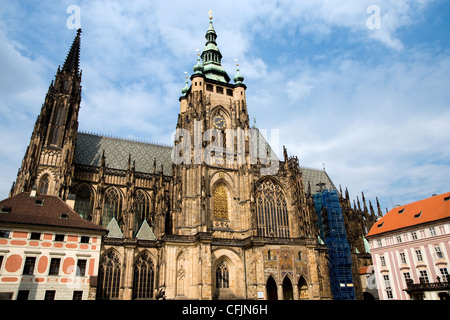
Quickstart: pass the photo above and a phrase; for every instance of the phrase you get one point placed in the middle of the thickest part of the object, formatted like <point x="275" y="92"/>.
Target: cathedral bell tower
<point x="48" y="160"/>
<point x="211" y="172"/>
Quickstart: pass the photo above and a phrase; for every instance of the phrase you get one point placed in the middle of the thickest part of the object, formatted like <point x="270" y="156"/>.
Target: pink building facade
<point x="47" y="251"/>
<point x="410" y="248"/>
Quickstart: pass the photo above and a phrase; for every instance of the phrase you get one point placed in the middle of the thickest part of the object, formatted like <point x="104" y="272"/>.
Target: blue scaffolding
<point x="332" y="229"/>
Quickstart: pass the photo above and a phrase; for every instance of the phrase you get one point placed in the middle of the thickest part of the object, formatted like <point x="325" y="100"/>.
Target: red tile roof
<point x="419" y="212"/>
<point x="43" y="210"/>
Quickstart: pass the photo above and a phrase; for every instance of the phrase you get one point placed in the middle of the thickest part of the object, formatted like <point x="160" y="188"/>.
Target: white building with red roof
<point x="47" y="250"/>
<point x="410" y="248"/>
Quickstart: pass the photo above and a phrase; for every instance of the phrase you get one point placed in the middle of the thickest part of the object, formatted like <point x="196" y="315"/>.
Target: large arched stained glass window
<point x="144" y="277"/>
<point x="84" y="201"/>
<point x="141" y="209"/>
<point x="109" y="276"/>
<point x="221" y="202"/>
<point x="112" y="206"/>
<point x="271" y="210"/>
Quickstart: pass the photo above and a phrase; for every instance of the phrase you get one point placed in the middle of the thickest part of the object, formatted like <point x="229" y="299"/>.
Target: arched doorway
<point x="288" y="292"/>
<point x="368" y="296"/>
<point x="271" y="289"/>
<point x="302" y="289"/>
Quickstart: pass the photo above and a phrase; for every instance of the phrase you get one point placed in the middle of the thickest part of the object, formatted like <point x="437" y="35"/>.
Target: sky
<point x="358" y="87"/>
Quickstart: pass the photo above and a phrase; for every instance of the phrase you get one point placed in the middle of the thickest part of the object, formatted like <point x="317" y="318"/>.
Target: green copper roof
<point x="212" y="57"/>
<point x="238" y="78"/>
<point x="198" y="68"/>
<point x="186" y="88"/>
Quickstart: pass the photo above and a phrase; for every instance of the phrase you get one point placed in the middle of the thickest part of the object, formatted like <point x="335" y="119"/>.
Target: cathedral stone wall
<point x="217" y="229"/>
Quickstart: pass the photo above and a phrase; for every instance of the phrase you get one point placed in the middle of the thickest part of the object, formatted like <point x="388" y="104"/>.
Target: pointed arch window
<point x="141" y="209"/>
<point x="221" y="202"/>
<point x="144" y="277"/>
<point x="271" y="210"/>
<point x="44" y="184"/>
<point x="112" y="206"/>
<point x="109" y="276"/>
<point x="58" y="124"/>
<point x="84" y="202"/>
<point x="222" y="276"/>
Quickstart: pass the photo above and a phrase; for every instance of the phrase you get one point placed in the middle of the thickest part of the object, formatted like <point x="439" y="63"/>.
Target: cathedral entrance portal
<point x="288" y="292"/>
<point x="303" y="289"/>
<point x="271" y="289"/>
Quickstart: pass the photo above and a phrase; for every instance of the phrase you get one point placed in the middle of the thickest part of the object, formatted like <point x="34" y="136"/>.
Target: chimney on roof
<point x="71" y="200"/>
<point x="33" y="191"/>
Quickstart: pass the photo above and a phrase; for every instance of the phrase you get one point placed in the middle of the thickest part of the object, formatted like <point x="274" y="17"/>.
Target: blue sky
<point x="370" y="104"/>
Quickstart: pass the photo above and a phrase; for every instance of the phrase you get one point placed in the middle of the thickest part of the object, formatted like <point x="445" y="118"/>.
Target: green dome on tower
<point x="198" y="68"/>
<point x="238" y="78"/>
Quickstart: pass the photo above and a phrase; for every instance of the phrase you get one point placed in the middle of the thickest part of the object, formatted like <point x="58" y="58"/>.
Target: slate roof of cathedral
<point x="424" y="211"/>
<point x="42" y="210"/>
<point x="315" y="177"/>
<point x="89" y="149"/>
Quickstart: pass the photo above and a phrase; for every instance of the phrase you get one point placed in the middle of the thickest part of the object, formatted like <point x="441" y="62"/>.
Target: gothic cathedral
<point x="210" y="217"/>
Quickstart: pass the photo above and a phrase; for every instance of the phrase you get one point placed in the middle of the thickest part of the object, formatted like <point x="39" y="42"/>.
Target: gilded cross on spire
<point x="210" y="14"/>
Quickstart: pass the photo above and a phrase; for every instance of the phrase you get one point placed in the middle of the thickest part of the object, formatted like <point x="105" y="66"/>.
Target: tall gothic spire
<point x="212" y="57"/>
<point x="72" y="62"/>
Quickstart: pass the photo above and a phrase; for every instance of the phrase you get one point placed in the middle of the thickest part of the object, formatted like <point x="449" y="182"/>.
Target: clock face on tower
<point x="219" y="122"/>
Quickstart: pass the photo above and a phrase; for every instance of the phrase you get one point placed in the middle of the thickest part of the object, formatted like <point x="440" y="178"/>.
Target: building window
<point x="109" y="276"/>
<point x="438" y="252"/>
<point x="54" y="266"/>
<point x="387" y="286"/>
<point x="1" y="262"/>
<point x="84" y="202"/>
<point x="141" y="209"/>
<point x="414" y="235"/>
<point x="222" y="276"/>
<point x="144" y="277"/>
<point x="50" y="295"/>
<point x="221" y="202"/>
<point x="403" y="257"/>
<point x="59" y="237"/>
<point x="77" y="295"/>
<point x="382" y="261"/>
<point x="432" y="231"/>
<point x="23" y="295"/>
<point x="112" y="206"/>
<point x="379" y="243"/>
<point x="81" y="268"/>
<point x="423" y="276"/>
<point x="229" y="92"/>
<point x="399" y="239"/>
<point x="28" y="268"/>
<point x="43" y="185"/>
<point x="219" y="90"/>
<point x="419" y="255"/>
<point x="209" y="87"/>
<point x="406" y="277"/>
<point x="84" y="239"/>
<point x="35" y="236"/>
<point x="444" y="275"/>
<point x="4" y="234"/>
<point x="271" y="210"/>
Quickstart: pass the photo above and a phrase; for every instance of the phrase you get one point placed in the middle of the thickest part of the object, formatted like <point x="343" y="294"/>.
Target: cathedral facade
<point x="216" y="216"/>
